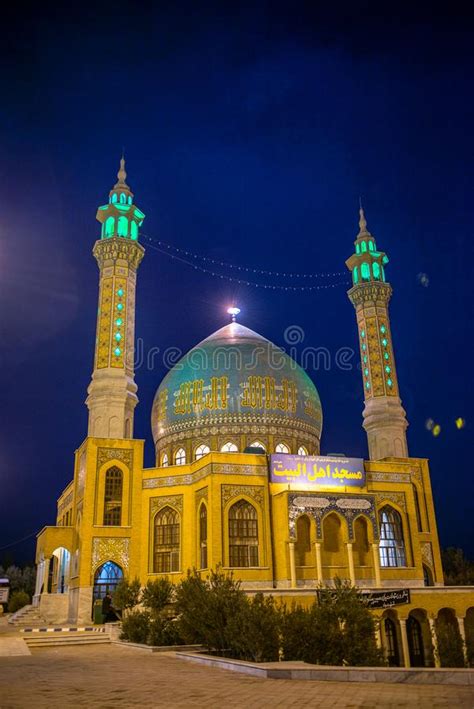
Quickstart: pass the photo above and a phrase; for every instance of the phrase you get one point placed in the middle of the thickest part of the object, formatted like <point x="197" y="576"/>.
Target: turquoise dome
<point x="236" y="382"/>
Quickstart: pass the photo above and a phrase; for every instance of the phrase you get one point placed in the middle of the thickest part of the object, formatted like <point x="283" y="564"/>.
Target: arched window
<point x="122" y="227"/>
<point x="133" y="231"/>
<point x="165" y="461"/>
<point x="302" y="450"/>
<point x="391" y="649"/>
<point x="365" y="271"/>
<point x="417" y="509"/>
<point x="282" y="448"/>
<point x="356" y="275"/>
<point x="371" y="246"/>
<point x="364" y="247"/>
<point x="257" y="444"/>
<point x="229" y="447"/>
<point x="166" y="546"/>
<point x="392" y="546"/>
<point x="180" y="457"/>
<point x="203" y="536"/>
<point x="130" y="199"/>
<point x="201" y="451"/>
<point x="303" y="541"/>
<point x="243" y="535"/>
<point x="113" y="497"/>
<point x="123" y="198"/>
<point x="114" y="198"/>
<point x="109" y="226"/>
<point x="376" y="270"/>
<point x="357" y="248"/>
<point x="427" y="576"/>
<point x="106" y="579"/>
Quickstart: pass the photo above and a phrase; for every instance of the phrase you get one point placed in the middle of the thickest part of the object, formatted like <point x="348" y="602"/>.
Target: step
<point x="64" y="637"/>
<point x="55" y="640"/>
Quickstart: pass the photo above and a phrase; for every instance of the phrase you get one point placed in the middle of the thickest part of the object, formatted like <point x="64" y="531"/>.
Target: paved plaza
<point x="110" y="676"/>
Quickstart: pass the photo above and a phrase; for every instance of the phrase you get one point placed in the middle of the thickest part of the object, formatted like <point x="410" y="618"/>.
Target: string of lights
<point x="226" y="264"/>
<point x="243" y="281"/>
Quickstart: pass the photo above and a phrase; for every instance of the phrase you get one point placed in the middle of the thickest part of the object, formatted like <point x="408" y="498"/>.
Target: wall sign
<point x="317" y="471"/>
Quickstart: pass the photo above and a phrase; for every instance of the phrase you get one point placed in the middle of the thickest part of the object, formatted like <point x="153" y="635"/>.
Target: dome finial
<point x="233" y="311"/>
<point x="362" y="219"/>
<point x="121" y="174"/>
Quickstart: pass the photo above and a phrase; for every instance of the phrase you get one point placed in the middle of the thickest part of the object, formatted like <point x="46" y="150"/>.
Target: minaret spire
<point x="112" y="392"/>
<point x="384" y="417"/>
<point x="121" y="174"/>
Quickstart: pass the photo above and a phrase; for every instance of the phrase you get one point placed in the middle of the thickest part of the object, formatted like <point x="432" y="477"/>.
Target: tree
<point x="18" y="600"/>
<point x="253" y="632"/>
<point x="338" y="630"/>
<point x="126" y="594"/>
<point x="458" y="571"/>
<point x="157" y="594"/>
<point x="450" y="644"/>
<point x="205" y="608"/>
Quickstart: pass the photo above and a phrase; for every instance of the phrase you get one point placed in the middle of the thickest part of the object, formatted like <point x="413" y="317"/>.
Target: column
<point x="376" y="555"/>
<point x="319" y="565"/>
<point x="463" y="637"/>
<point x="46" y="575"/>
<point x="378" y="633"/>
<point x="434" y="640"/>
<point x="406" y="651"/>
<point x="350" y="559"/>
<point x="39" y="574"/>
<point x="291" y="546"/>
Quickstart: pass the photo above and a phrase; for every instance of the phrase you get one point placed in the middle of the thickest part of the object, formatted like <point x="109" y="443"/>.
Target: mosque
<point x="240" y="479"/>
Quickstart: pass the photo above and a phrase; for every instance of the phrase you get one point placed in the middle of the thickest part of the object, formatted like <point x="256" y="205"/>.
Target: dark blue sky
<point x="249" y="136"/>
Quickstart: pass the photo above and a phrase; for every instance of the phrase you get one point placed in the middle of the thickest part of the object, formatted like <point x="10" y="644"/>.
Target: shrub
<point x="253" y="632"/>
<point x="164" y="631"/>
<point x="450" y="644"/>
<point x="348" y="627"/>
<point x="18" y="600"/>
<point x="339" y="630"/>
<point x="135" y="627"/>
<point x="295" y="633"/>
<point x="157" y="594"/>
<point x="205" y="608"/>
<point x="126" y="594"/>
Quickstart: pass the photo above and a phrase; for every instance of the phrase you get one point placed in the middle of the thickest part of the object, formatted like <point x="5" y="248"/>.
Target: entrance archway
<point x="106" y="578"/>
<point x="415" y="642"/>
<point x="392" y="652"/>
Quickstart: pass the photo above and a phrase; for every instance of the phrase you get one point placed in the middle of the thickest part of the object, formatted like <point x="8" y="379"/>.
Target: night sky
<point x="249" y="135"/>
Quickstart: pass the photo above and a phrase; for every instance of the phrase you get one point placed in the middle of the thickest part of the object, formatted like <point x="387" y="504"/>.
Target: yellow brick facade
<point x="291" y="537"/>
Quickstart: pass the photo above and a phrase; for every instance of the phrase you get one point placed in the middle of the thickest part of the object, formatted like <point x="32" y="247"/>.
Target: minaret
<point x="384" y="416"/>
<point x="112" y="393"/>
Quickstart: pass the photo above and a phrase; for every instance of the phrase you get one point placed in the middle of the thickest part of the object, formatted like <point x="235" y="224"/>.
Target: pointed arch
<point x="258" y="444"/>
<point x="361" y="545"/>
<point x="203" y="562"/>
<point x="332" y="546"/>
<point x="201" y="451"/>
<point x="243" y="534"/>
<point x="229" y="447"/>
<point x="180" y="457"/>
<point x="282" y="447"/>
<point x="392" y="543"/>
<point x="166" y="541"/>
<point x="113" y="491"/>
<point x="122" y="226"/>
<point x="303" y="541"/>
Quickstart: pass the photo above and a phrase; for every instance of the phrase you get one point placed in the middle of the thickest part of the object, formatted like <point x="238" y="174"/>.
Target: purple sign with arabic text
<point x="315" y="470"/>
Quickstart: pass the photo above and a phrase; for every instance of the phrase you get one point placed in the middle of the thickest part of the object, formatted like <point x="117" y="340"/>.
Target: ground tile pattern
<point x="111" y="676"/>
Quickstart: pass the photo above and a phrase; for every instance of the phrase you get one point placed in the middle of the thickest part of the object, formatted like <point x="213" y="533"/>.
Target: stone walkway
<point x="110" y="676"/>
